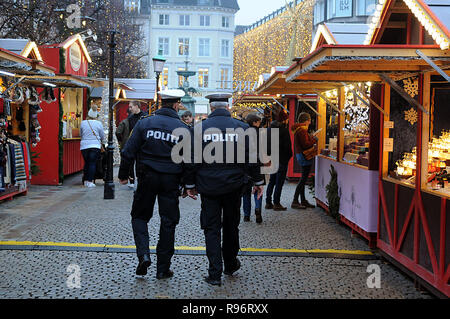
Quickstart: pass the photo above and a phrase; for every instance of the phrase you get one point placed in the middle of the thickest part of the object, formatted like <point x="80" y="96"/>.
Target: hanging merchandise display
<point x="18" y="126"/>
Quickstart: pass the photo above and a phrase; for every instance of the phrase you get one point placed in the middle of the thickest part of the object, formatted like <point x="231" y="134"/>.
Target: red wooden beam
<point x="405" y="226"/>
<point x="385" y="212"/>
<point x="442" y="238"/>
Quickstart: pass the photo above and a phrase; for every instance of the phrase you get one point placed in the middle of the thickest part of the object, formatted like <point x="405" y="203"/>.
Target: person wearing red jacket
<point x="302" y="141"/>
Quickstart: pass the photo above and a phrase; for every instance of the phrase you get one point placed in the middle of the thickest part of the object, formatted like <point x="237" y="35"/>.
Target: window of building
<point x="203" y="77"/>
<point x="163" y="46"/>
<point x="164" y="79"/>
<point x="185" y="19"/>
<point x="183" y="46"/>
<point x="365" y="7"/>
<point x="132" y="5"/>
<point x="319" y="11"/>
<point x="164" y="19"/>
<point x="225" y="49"/>
<point x="205" y="21"/>
<point x="225" y="22"/>
<point x="339" y="8"/>
<point x="203" y="47"/>
<point x="163" y="1"/>
<point x="224" y="78"/>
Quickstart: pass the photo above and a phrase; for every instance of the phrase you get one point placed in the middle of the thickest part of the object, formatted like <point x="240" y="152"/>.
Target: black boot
<point x="144" y="263"/>
<point x="258" y="215"/>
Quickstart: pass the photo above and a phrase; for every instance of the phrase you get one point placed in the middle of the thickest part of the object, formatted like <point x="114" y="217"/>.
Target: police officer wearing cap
<point x="151" y="143"/>
<point x="220" y="188"/>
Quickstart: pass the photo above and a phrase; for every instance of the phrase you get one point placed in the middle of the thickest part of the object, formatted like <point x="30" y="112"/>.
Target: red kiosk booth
<point x="60" y="136"/>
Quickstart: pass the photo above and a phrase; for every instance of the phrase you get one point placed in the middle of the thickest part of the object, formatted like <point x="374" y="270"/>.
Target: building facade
<point x="198" y="31"/>
<point x="343" y="11"/>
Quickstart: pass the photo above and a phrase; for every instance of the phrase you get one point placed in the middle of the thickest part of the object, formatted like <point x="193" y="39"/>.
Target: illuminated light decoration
<point x="375" y="21"/>
<point x="407" y="165"/>
<point x="430" y="26"/>
<point x="78" y="38"/>
<point x="433" y="29"/>
<point x="31" y="46"/>
<point x="439" y="148"/>
<point x="258" y="50"/>
<point x="356" y="111"/>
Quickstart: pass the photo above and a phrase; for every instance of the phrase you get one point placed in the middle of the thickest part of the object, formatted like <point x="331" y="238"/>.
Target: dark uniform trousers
<point x="221" y="211"/>
<point x="165" y="187"/>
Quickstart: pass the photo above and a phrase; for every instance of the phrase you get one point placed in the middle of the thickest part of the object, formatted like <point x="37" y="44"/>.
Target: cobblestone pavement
<point x="73" y="214"/>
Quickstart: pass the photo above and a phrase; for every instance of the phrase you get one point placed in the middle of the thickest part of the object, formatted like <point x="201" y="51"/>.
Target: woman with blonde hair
<point x="92" y="136"/>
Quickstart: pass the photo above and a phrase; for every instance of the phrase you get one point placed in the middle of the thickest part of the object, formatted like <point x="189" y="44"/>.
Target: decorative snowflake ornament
<point x="411" y="116"/>
<point x="411" y="86"/>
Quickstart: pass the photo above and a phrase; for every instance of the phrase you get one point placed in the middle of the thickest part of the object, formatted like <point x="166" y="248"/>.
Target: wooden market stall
<point x="414" y="190"/>
<point x="19" y="105"/>
<point x="60" y="136"/>
<point x="398" y="186"/>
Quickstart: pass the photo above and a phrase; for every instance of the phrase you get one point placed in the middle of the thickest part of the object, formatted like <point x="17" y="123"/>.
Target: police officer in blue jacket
<point x="220" y="188"/>
<point x="151" y="143"/>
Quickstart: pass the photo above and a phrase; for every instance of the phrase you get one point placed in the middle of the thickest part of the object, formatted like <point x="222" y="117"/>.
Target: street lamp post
<point x="158" y="66"/>
<point x="109" y="182"/>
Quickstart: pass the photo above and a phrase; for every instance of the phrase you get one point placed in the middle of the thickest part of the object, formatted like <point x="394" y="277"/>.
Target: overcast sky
<point x="253" y="10"/>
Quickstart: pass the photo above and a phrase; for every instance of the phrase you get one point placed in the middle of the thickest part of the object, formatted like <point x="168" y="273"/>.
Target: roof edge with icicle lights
<point x="422" y="12"/>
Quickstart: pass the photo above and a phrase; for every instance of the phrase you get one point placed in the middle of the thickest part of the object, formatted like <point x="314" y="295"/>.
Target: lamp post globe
<point x="158" y="66"/>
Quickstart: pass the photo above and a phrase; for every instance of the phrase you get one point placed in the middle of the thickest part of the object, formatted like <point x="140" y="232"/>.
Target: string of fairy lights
<point x="273" y="43"/>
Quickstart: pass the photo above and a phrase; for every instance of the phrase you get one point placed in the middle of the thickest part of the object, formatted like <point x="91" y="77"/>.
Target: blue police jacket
<point x="221" y="178"/>
<point x="151" y="142"/>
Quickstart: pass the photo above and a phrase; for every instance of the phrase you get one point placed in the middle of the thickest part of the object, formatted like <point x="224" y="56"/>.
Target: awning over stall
<point x="343" y="63"/>
<point x="17" y="64"/>
<point x="63" y="80"/>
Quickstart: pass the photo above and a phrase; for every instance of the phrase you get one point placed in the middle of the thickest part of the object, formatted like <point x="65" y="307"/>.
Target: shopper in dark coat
<point x="285" y="148"/>
<point x="124" y="129"/>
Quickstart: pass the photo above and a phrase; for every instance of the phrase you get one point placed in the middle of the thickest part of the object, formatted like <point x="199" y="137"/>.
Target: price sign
<point x="388" y="145"/>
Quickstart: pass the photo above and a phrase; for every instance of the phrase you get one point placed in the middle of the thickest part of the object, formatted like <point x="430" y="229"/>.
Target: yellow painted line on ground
<point x="274" y="250"/>
<point x="119" y="246"/>
<point x="336" y="251"/>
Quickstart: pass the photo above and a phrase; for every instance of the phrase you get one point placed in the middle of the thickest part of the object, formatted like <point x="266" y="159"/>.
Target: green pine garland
<point x="35" y="170"/>
<point x="333" y="193"/>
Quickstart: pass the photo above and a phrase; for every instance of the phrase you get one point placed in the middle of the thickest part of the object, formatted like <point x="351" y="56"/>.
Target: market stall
<point x="19" y="106"/>
<point x="294" y="102"/>
<point x="414" y="193"/>
<point x="60" y="136"/>
<point x="409" y="95"/>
